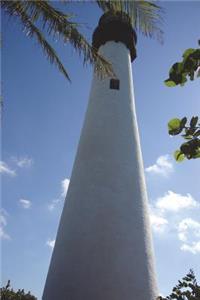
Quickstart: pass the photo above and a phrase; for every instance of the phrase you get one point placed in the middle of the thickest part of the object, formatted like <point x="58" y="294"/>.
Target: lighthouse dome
<point x="115" y="26"/>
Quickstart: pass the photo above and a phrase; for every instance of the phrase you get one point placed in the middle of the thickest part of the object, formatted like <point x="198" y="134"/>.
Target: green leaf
<point x="183" y="79"/>
<point x="194" y="121"/>
<point x="176" y="68"/>
<point x="187" y="137"/>
<point x="198" y="72"/>
<point x="174" y="124"/>
<point x="197" y="155"/>
<point x="191" y="74"/>
<point x="188" y="52"/>
<point x="169" y="83"/>
<point x="183" y="122"/>
<point x="187" y="147"/>
<point x="190" y="131"/>
<point x="196" y="55"/>
<point x="179" y="156"/>
<point x="197" y="133"/>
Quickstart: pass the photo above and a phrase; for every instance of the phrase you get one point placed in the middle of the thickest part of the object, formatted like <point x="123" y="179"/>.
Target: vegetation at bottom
<point x="186" y="289"/>
<point x="7" y="293"/>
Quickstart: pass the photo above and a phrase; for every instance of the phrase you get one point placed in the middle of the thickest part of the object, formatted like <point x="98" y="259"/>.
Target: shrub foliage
<point x="7" y="293"/>
<point x="186" y="289"/>
<point x="191" y="134"/>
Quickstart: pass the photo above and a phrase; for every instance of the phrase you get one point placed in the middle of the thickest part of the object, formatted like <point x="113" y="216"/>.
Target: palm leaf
<point x="57" y="25"/>
<point x="145" y="16"/>
<point x="15" y="8"/>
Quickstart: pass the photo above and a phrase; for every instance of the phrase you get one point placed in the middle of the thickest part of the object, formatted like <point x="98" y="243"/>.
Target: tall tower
<point x="103" y="249"/>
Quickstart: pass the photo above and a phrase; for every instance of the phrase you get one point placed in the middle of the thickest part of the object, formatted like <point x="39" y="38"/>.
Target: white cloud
<point x="174" y="202"/>
<point x="53" y="204"/>
<point x="189" y="223"/>
<point x="173" y="206"/>
<point x="182" y="236"/>
<point x="194" y="248"/>
<point x="26" y="204"/>
<point x="189" y="234"/>
<point x="158" y="223"/>
<point x="188" y="228"/>
<point x="4" y="168"/>
<point x="20" y="162"/>
<point x="50" y="243"/>
<point x="3" y="223"/>
<point x="23" y="162"/>
<point x="65" y="185"/>
<point x="163" y="166"/>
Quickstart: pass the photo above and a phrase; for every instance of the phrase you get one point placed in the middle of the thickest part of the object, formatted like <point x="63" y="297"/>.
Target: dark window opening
<point x="114" y="84"/>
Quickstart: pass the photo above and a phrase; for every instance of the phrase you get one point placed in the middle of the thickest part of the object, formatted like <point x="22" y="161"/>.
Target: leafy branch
<point x="189" y="67"/>
<point x="191" y="133"/>
<point x="178" y="75"/>
<point x="9" y="294"/>
<point x="40" y="17"/>
<point x="186" y="289"/>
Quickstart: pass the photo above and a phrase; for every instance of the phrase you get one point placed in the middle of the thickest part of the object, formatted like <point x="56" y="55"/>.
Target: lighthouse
<point x="103" y="248"/>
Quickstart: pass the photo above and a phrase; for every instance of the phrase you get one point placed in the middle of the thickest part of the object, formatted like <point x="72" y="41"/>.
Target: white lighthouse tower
<point x="103" y="249"/>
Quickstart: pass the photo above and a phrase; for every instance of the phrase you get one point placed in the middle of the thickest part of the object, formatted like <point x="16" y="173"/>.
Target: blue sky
<point x="42" y="118"/>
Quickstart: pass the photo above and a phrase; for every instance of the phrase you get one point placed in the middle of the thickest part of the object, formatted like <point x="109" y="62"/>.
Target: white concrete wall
<point x="103" y="249"/>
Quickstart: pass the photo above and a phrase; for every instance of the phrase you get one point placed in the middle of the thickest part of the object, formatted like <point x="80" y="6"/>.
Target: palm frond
<point x="145" y="16"/>
<point x="58" y="25"/>
<point x="15" y="8"/>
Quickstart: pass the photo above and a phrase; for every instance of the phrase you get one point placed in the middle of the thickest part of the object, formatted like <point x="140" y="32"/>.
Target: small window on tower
<point x="114" y="84"/>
